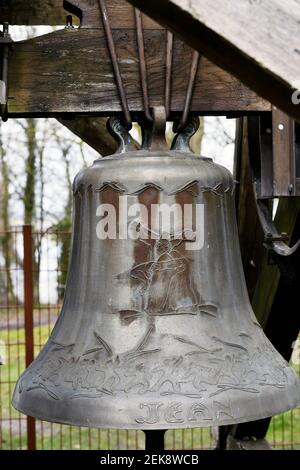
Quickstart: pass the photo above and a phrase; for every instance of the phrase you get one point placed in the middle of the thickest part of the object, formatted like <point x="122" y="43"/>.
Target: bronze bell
<point x="156" y="329"/>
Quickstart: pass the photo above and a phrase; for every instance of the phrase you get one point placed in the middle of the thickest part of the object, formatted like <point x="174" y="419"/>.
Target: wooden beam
<point x="93" y="132"/>
<point x="257" y="41"/>
<point x="284" y="170"/>
<point x="69" y="71"/>
<point x="251" y="241"/>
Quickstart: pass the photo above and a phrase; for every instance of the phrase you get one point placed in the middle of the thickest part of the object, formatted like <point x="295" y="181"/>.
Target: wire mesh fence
<point x="48" y="272"/>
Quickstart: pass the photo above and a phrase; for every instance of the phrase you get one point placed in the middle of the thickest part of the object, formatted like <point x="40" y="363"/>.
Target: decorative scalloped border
<point x="218" y="189"/>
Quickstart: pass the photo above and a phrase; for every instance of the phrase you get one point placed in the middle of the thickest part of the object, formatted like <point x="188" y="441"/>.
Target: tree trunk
<point x="29" y="194"/>
<point x="6" y="283"/>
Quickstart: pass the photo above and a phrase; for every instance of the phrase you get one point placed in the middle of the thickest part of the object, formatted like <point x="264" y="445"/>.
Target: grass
<point x="284" y="431"/>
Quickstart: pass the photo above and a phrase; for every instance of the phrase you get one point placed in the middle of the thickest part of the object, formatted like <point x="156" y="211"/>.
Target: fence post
<point x="28" y="318"/>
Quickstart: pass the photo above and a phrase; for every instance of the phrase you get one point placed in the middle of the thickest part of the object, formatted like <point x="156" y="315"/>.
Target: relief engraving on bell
<point x="160" y="280"/>
<point x="195" y="372"/>
<point x="163" y="284"/>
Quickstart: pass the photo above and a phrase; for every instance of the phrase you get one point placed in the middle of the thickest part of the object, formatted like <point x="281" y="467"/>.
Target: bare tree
<point x="5" y="237"/>
<point x="63" y="226"/>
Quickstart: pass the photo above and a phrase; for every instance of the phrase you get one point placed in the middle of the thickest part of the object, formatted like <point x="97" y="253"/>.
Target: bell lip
<point x="155" y="154"/>
<point x="204" y="424"/>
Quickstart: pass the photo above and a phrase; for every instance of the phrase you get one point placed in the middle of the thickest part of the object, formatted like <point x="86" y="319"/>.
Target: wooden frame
<point x="70" y="72"/>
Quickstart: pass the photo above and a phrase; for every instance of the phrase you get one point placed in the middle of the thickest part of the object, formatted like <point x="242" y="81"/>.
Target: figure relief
<point x="163" y="283"/>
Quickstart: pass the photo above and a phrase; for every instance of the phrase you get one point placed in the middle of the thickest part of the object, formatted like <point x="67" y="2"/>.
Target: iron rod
<point x="114" y="61"/>
<point x="4" y="73"/>
<point x="142" y="62"/>
<point x="169" y="63"/>
<point x="189" y="91"/>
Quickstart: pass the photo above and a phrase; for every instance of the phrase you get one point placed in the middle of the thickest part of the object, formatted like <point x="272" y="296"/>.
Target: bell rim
<point x="291" y="400"/>
<point x="154" y="426"/>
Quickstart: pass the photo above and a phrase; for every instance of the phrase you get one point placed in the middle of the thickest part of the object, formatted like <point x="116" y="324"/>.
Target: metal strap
<point x="169" y="63"/>
<point x="5" y="41"/>
<point x="142" y="62"/>
<point x="114" y="61"/>
<point x="189" y="92"/>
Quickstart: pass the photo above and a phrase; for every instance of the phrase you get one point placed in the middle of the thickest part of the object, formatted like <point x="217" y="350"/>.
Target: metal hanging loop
<point x="119" y="132"/>
<point x="158" y="139"/>
<point x="181" y="141"/>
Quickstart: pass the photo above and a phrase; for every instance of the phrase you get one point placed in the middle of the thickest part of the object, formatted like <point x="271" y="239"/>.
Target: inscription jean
<point x="175" y="412"/>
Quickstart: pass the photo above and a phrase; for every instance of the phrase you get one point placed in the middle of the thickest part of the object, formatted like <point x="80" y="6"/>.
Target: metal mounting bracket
<point x="268" y="177"/>
<point x="5" y="42"/>
<point x="274" y="240"/>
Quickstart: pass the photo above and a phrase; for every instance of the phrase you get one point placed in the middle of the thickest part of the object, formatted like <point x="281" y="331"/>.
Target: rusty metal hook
<point x="274" y="240"/>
